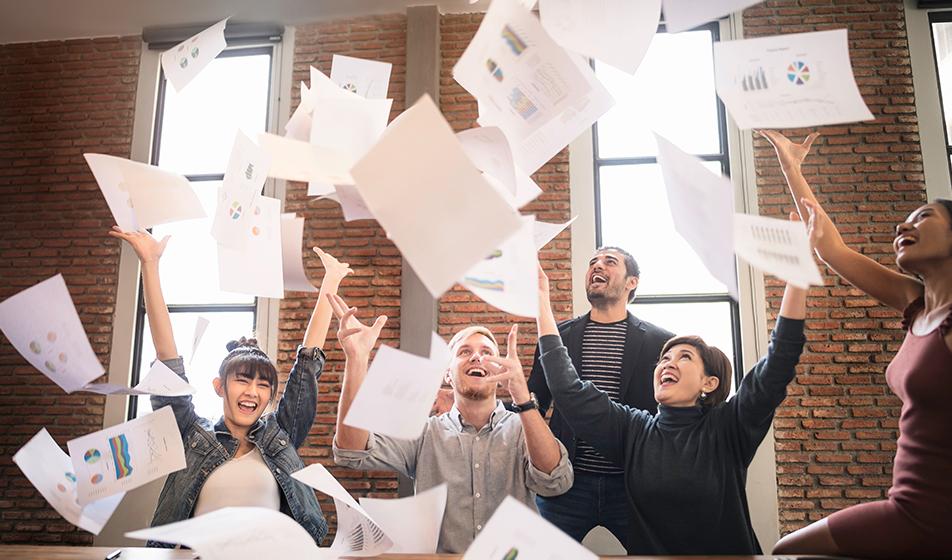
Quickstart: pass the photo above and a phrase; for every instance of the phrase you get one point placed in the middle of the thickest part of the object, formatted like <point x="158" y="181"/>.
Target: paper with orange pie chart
<point x="126" y="456"/>
<point x="257" y="269"/>
<point x="244" y="177"/>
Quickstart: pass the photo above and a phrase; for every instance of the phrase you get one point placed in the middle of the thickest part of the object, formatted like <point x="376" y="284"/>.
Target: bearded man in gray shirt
<point x="482" y="451"/>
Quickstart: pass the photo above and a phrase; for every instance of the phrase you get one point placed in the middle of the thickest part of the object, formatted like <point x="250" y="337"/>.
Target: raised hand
<point x="790" y="154"/>
<point x="508" y="370"/>
<point x="148" y="248"/>
<point x="333" y="267"/>
<point x="823" y="234"/>
<point x="356" y="338"/>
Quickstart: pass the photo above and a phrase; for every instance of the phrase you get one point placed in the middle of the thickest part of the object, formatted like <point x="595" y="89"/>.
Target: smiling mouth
<point x="598" y="279"/>
<point x="905" y="241"/>
<point x="476" y="372"/>
<point x="667" y="380"/>
<point x="248" y="407"/>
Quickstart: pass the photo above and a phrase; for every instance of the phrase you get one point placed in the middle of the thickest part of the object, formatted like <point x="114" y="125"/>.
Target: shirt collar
<point x="497" y="415"/>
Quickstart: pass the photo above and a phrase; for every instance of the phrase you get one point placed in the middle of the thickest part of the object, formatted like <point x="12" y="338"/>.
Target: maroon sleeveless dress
<point x="916" y="519"/>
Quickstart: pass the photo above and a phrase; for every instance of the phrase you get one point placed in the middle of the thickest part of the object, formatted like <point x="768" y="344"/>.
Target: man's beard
<point x="601" y="299"/>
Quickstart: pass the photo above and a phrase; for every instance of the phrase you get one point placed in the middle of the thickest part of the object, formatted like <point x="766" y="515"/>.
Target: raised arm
<point x="888" y="286"/>
<point x="334" y="272"/>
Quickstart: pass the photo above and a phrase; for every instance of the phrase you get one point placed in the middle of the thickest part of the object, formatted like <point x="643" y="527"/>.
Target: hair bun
<point x="242" y="343"/>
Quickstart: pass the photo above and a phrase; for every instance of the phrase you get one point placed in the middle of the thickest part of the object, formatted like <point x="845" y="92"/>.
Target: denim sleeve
<point x="298" y="406"/>
<point x="554" y="483"/>
<point x="383" y="453"/>
<point x="182" y="407"/>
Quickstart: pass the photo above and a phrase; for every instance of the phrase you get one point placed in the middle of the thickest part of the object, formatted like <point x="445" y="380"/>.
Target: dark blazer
<point x="642" y="348"/>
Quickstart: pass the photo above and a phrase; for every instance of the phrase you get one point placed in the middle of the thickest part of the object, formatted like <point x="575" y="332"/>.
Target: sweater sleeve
<point x="592" y="415"/>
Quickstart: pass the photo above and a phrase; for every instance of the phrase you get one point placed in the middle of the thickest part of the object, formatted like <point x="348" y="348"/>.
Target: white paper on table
<point x="545" y="232"/>
<point x="184" y="61"/>
<point x="298" y="126"/>
<point x="702" y="209"/>
<point x="244" y="177"/>
<point x="126" y="456"/>
<point x="201" y="325"/>
<point x="351" y="203"/>
<point x="366" y="78"/>
<point x="42" y="324"/>
<point x="292" y="239"/>
<point x="257" y="269"/>
<point x="418" y="171"/>
<point x="514" y="529"/>
<point x="789" y="81"/>
<point x="616" y="32"/>
<point x="357" y="533"/>
<point x="160" y="381"/>
<point x="404" y="385"/>
<point x="412" y="523"/>
<point x="681" y="15"/>
<point x="141" y="195"/>
<point x="508" y="279"/>
<point x="294" y="160"/>
<point x="488" y="148"/>
<point x="51" y="473"/>
<point x="238" y="533"/>
<point x="778" y="247"/>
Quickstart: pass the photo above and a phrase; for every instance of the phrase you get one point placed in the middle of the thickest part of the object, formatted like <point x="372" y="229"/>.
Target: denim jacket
<point x="277" y="435"/>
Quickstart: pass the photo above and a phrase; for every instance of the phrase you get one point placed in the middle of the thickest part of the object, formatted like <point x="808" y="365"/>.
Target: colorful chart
<point x="255" y="231"/>
<point x="96" y="478"/>
<point x="91" y="456"/>
<point x="35" y="347"/>
<point x="494" y="69"/>
<point x="121" y="459"/>
<point x="512" y="554"/>
<point x="235" y="211"/>
<point x="494" y="255"/>
<point x="49" y="365"/>
<point x="194" y="52"/>
<point x="70" y="477"/>
<point x="494" y="285"/>
<point x="522" y="104"/>
<point x="798" y="73"/>
<point x="51" y="336"/>
<point x="183" y="63"/>
<point x="513" y="41"/>
<point x="60" y="487"/>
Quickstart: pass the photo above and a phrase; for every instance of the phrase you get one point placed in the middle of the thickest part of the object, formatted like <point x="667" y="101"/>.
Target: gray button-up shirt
<point x="480" y="469"/>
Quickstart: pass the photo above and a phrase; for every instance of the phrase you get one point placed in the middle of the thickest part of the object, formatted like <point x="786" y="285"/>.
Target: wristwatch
<point x="531" y="404"/>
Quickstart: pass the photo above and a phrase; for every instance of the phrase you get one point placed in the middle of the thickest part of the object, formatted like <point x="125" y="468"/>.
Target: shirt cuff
<point x="789" y="329"/>
<point x="352" y="456"/>
<point x="549" y="342"/>
<point x="176" y="364"/>
<point x="561" y="470"/>
<point x="311" y="353"/>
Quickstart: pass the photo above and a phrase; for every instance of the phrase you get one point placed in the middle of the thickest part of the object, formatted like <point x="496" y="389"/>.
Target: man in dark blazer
<point x="617" y="352"/>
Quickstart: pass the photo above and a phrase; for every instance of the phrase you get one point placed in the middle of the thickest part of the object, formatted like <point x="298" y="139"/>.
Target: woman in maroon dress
<point x="916" y="519"/>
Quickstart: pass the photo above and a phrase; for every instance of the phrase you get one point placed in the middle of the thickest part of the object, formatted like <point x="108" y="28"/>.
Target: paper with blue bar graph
<point x="508" y="278"/>
<point x="124" y="457"/>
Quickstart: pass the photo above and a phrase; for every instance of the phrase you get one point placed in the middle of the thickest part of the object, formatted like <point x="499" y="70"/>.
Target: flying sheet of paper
<point x="366" y="78"/>
<point x="404" y="178"/>
<point x="42" y="324"/>
<point x="616" y="32"/>
<point x="351" y="203"/>
<point x="51" y="473"/>
<point x="702" y="209"/>
<point x="681" y="15"/>
<point x="545" y="232"/>
<point x="292" y="238"/>
<point x="201" y="325"/>
<point x="404" y="385"/>
<point x="412" y="523"/>
<point x="488" y="148"/>
<point x="357" y="533"/>
<point x="508" y="279"/>
<point x="789" y="81"/>
<point x="349" y="126"/>
<point x="294" y="160"/>
<point x="141" y="195"/>
<point x="298" y="126"/>
<point x="778" y="247"/>
<point x="159" y="381"/>
<point x="126" y="456"/>
<point x="257" y="269"/>
<point x="244" y="177"/>
<point x="514" y="530"/>
<point x="184" y="61"/>
<point x="239" y="533"/>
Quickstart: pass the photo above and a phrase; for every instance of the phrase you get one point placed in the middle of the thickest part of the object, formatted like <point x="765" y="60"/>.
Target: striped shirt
<point x="603" y="346"/>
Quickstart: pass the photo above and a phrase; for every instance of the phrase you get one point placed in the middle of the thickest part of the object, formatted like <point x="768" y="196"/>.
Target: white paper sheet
<point x="184" y="61"/>
<point x="789" y="81"/>
<point x="244" y="177"/>
<point x="508" y="279"/>
<point x="51" y="473"/>
<point x="292" y="239"/>
<point x="351" y="203"/>
<point x="488" y="148"/>
<point x="412" y="523"/>
<point x="357" y="533"/>
<point x="545" y="232"/>
<point x="366" y="78"/>
<point x="298" y="126"/>
<point x="702" y="209"/>
<point x="616" y="32"/>
<point x="126" y="456"/>
<point x="302" y="161"/>
<point x="350" y="127"/>
<point x="201" y="325"/>
<point x="681" y="15"/>
<point x="257" y="269"/>
<point x="42" y="324"/>
<point x="160" y="380"/>
<point x="514" y="531"/>
<point x="417" y="171"/>
<point x="239" y="533"/>
<point x="404" y="385"/>
<point x="151" y="196"/>
<point x="778" y="247"/>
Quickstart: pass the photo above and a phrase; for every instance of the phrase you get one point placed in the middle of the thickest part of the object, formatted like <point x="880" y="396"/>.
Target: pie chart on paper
<point x="798" y="73"/>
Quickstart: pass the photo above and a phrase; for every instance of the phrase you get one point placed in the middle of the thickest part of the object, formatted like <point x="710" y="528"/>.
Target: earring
<point x="703" y="395"/>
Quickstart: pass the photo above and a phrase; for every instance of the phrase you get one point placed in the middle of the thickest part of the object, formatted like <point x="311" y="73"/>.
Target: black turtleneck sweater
<point x="685" y="468"/>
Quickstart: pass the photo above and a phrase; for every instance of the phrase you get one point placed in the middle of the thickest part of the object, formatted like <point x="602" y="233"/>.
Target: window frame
<point x="934" y="18"/>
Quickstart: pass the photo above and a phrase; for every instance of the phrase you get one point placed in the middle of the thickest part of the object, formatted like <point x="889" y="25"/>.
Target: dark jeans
<point x="593" y="500"/>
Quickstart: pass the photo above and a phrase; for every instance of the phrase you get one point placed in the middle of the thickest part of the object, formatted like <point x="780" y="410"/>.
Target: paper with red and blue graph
<point x="126" y="456"/>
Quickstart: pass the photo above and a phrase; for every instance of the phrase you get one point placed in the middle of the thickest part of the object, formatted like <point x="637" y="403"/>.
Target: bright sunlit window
<point x="941" y="23"/>
<point x="194" y="133"/>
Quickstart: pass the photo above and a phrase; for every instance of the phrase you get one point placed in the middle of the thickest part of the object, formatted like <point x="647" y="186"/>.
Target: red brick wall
<point x="57" y="100"/>
<point x="836" y="433"/>
<point x="375" y="285"/>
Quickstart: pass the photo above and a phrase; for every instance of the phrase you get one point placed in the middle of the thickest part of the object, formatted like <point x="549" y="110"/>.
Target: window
<point x="941" y="24"/>
<point x="194" y="134"/>
<point x="671" y="93"/>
